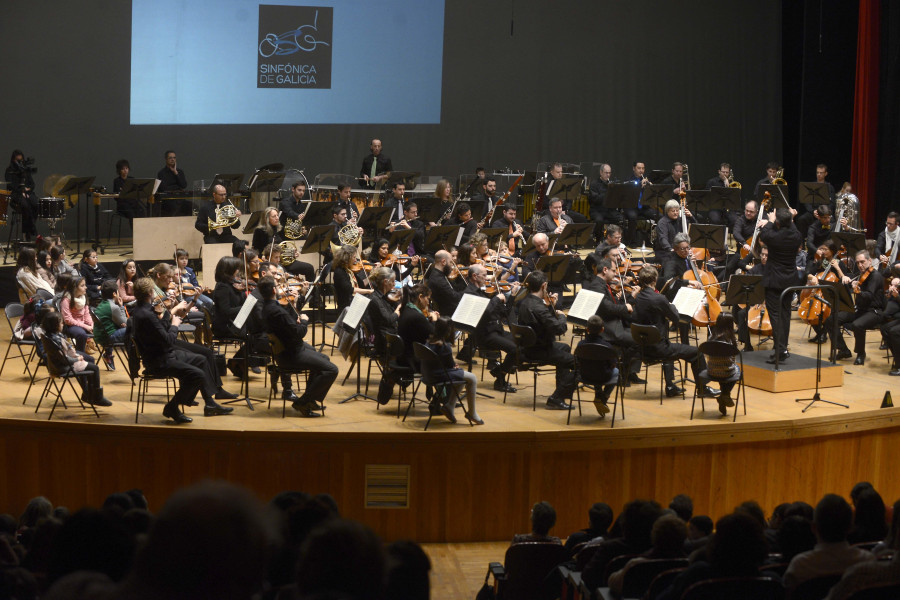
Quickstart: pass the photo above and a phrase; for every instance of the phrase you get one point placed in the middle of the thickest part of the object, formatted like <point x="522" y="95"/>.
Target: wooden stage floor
<point x="465" y="484"/>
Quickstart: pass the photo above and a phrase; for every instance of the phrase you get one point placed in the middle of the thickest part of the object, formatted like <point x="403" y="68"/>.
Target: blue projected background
<point x="197" y="62"/>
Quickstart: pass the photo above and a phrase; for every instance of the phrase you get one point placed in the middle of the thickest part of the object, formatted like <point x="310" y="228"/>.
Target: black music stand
<point x="441" y="237"/>
<point x="356" y="330"/>
<point x="815" y="193"/>
<point x="401" y="238"/>
<point x="231" y="181"/>
<point x="429" y="209"/>
<point x="726" y="198"/>
<point x="657" y="194"/>
<point x="529" y="245"/>
<point x="555" y="267"/>
<point x="780" y="192"/>
<point x="853" y="242"/>
<point x="263" y="186"/>
<point x="255" y="219"/>
<point x="576" y="235"/>
<point x="479" y="207"/>
<point x="493" y="234"/>
<point x="76" y="186"/>
<point x="710" y="237"/>
<point x="698" y="201"/>
<point x="745" y="289"/>
<point x="622" y="195"/>
<point x="566" y="189"/>
<point x="140" y="190"/>
<point x="655" y="176"/>
<point x="375" y="219"/>
<point x="318" y="214"/>
<point x="318" y="240"/>
<point x="408" y="178"/>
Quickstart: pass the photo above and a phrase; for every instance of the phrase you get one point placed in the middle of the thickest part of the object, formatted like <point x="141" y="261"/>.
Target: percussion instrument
<point x="52" y="208"/>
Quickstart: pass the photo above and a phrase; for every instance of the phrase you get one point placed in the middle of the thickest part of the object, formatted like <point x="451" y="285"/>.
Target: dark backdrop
<point x="576" y="81"/>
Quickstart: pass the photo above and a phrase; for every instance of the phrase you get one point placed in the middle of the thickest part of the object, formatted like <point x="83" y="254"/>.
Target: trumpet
<point x="226" y="216"/>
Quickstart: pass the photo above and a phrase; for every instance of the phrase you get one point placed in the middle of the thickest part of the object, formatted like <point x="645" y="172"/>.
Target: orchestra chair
<point x="638" y="577"/>
<point x="524" y="569"/>
<point x="597" y="352"/>
<point x="524" y="338"/>
<point x="736" y="588"/>
<point x="815" y="588"/>
<point x="720" y="349"/>
<point x="241" y="347"/>
<point x="118" y="348"/>
<point x="648" y="335"/>
<point x="42" y="362"/>
<point x="406" y="375"/>
<point x="56" y="355"/>
<point x="15" y="310"/>
<point x="662" y="582"/>
<point x="276" y="348"/>
<point x="143" y="381"/>
<point x="877" y="591"/>
<point x="443" y="386"/>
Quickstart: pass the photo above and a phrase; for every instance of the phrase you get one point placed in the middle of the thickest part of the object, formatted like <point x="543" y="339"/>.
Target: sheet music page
<point x="242" y="315"/>
<point x="470" y="310"/>
<point x="459" y="238"/>
<point x="585" y="305"/>
<point x="156" y="185"/>
<point x="688" y="300"/>
<point x="355" y="311"/>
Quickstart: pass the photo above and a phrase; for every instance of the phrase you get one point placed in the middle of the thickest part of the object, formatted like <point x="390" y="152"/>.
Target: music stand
<point x="698" y="201"/>
<point x="254" y="220"/>
<point x="745" y="289"/>
<point x="493" y="234"/>
<point x="776" y="191"/>
<point x="429" y="209"/>
<point x="710" y="237"/>
<point x="555" y="267"/>
<point x="566" y="189"/>
<point x="76" y="186"/>
<point x="853" y="242"/>
<point x="725" y="198"/>
<point x="575" y="234"/>
<point x="657" y="194"/>
<point x="622" y="195"/>
<point x="479" y="207"/>
<point x="401" y="238"/>
<point x="354" y="315"/>
<point x="408" y="178"/>
<point x="375" y="218"/>
<point x="529" y="245"/>
<point x="263" y="186"/>
<point x="813" y="192"/>
<point x="231" y="181"/>
<point x="441" y="237"/>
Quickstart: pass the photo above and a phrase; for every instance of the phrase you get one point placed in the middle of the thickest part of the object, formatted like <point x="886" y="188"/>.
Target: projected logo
<point x="299" y="57"/>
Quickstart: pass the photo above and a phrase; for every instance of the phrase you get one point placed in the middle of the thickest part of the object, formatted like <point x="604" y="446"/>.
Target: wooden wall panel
<point x="459" y="492"/>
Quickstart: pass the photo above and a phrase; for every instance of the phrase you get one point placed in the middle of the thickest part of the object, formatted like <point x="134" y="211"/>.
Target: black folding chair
<point x="524" y="338"/>
<point x="596" y="352"/>
<point x="720" y="350"/>
<point x="55" y="357"/>
<point x="444" y="387"/>
<point x="648" y="335"/>
<point x="15" y="310"/>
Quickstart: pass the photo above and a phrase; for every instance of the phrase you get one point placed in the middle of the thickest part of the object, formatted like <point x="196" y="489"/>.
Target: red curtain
<point x="865" y="110"/>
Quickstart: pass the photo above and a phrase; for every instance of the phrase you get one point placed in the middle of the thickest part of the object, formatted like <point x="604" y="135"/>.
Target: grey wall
<point x="578" y="81"/>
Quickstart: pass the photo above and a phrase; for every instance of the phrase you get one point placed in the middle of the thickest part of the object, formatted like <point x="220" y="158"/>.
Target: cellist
<point x="822" y="264"/>
<point x="869" y="290"/>
<point x="741" y="313"/>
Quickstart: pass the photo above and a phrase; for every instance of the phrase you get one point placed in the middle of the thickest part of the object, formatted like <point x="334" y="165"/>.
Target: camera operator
<point x="21" y="186"/>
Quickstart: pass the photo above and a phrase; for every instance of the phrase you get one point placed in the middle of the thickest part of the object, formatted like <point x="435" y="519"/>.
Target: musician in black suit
<point x="463" y="218"/>
<point x="600" y="214"/>
<point x="555" y="219"/>
<point x="890" y="330"/>
<point x="529" y="263"/>
<point x="163" y="354"/>
<point x="293" y="206"/>
<point x="547" y="323"/>
<point x="515" y="230"/>
<point x="870" y="299"/>
<point x="780" y="235"/>
<point x="207" y="213"/>
<point x="488" y="193"/>
<point x="744" y="227"/>
<point x="550" y="189"/>
<point x="674" y="178"/>
<point x="741" y="313"/>
<point x="652" y="308"/>
<point x="668" y="227"/>
<point x="290" y="329"/>
<point x="416" y="322"/>
<point x="490" y="334"/>
<point x="23" y="196"/>
<point x="820" y="230"/>
<point x="810" y="211"/>
<point x="410" y="220"/>
<point x="444" y="295"/>
<point x="375" y="167"/>
<point x="171" y="179"/>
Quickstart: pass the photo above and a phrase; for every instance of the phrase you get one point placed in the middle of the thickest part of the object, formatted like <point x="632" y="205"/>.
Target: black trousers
<point x="130" y="209"/>
<point x="188" y="369"/>
<point x="89" y="379"/>
<point x="322" y="372"/>
<point x="633" y="215"/>
<point x="298" y="267"/>
<point x="858" y="323"/>
<point x="501" y="341"/>
<point x="675" y="352"/>
<point x="27" y="204"/>
<point x="619" y="337"/>
<point x="558" y="354"/>
<point x="780" y="316"/>
<point x="212" y="382"/>
<point x="890" y="331"/>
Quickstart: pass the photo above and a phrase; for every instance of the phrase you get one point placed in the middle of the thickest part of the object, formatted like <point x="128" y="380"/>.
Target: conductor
<point x="783" y="240"/>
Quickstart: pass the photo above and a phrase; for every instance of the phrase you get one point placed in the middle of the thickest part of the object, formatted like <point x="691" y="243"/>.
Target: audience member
<point x="407" y="572"/>
<point x="683" y="507"/>
<point x="343" y="558"/>
<point x="869" y="524"/>
<point x="667" y="536"/>
<point x="638" y="517"/>
<point x="543" y="518"/>
<point x="869" y="573"/>
<point x="600" y="517"/>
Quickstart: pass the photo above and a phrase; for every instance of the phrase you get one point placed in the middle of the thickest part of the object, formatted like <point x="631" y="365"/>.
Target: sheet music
<point x="355" y="311"/>
<point x="459" y="235"/>
<point x="688" y="300"/>
<point x="242" y="315"/>
<point x="156" y="185"/>
<point x="470" y="310"/>
<point x="585" y="305"/>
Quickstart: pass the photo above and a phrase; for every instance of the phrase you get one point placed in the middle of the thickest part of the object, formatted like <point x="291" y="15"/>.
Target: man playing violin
<point x="869" y="290"/>
<point x="444" y="295"/>
<point x="489" y="334"/>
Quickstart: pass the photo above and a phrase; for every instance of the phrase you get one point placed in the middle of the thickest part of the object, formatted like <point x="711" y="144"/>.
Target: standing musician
<point x="207" y="213"/>
<point x="293" y="206"/>
<point x="669" y="226"/>
<point x="869" y="290"/>
<point x="538" y="311"/>
<point x="171" y="179"/>
<point x="488" y="193"/>
<point x="23" y="196"/>
<point x="270" y="231"/>
<point x="290" y="329"/>
<point x="811" y="211"/>
<point x="489" y="334"/>
<point x="549" y="188"/>
<point x="648" y="213"/>
<point x="555" y="219"/>
<point x="890" y="331"/>
<point x="888" y="242"/>
<point x="515" y="231"/>
<point x="464" y="219"/>
<point x="822" y="261"/>
<point x="411" y="221"/>
<point x="615" y="309"/>
<point x="444" y="294"/>
<point x="156" y="334"/>
<point x="652" y="308"/>
<point x="780" y="235"/>
<point x="347" y="279"/>
<point x="375" y="166"/>
<point x="600" y="214"/>
<point x="741" y="313"/>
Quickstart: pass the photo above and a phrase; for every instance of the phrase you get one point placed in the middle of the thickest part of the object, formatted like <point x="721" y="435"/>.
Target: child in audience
<point x="111" y="321"/>
<point x="76" y="312"/>
<point x="88" y="373"/>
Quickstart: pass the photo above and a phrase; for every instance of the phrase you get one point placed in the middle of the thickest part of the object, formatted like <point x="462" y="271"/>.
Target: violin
<point x="242" y="286"/>
<point x="362" y="265"/>
<point x="393" y="259"/>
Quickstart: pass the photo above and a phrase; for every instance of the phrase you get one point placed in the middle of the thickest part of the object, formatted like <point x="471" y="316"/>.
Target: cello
<point x="759" y="216"/>
<point x="812" y="309"/>
<point x="710" y="309"/>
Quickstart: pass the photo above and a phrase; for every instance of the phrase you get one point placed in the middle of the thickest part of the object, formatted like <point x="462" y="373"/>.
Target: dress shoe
<point x="211" y="410"/>
<point x="673" y="390"/>
<point x="843" y="355"/>
<point x="748" y="347"/>
<point x="222" y="395"/>
<point x="496" y="371"/>
<point x="289" y="395"/>
<point x="171" y="411"/>
<point x="895" y="373"/>
<point x="781" y="357"/>
<point x="601" y="406"/>
<point x="860" y="359"/>
<point x="554" y="403"/>
<point x="305" y="409"/>
<point x="190" y="403"/>
<point x="708" y="392"/>
<point x="635" y="378"/>
<point x="503" y="386"/>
